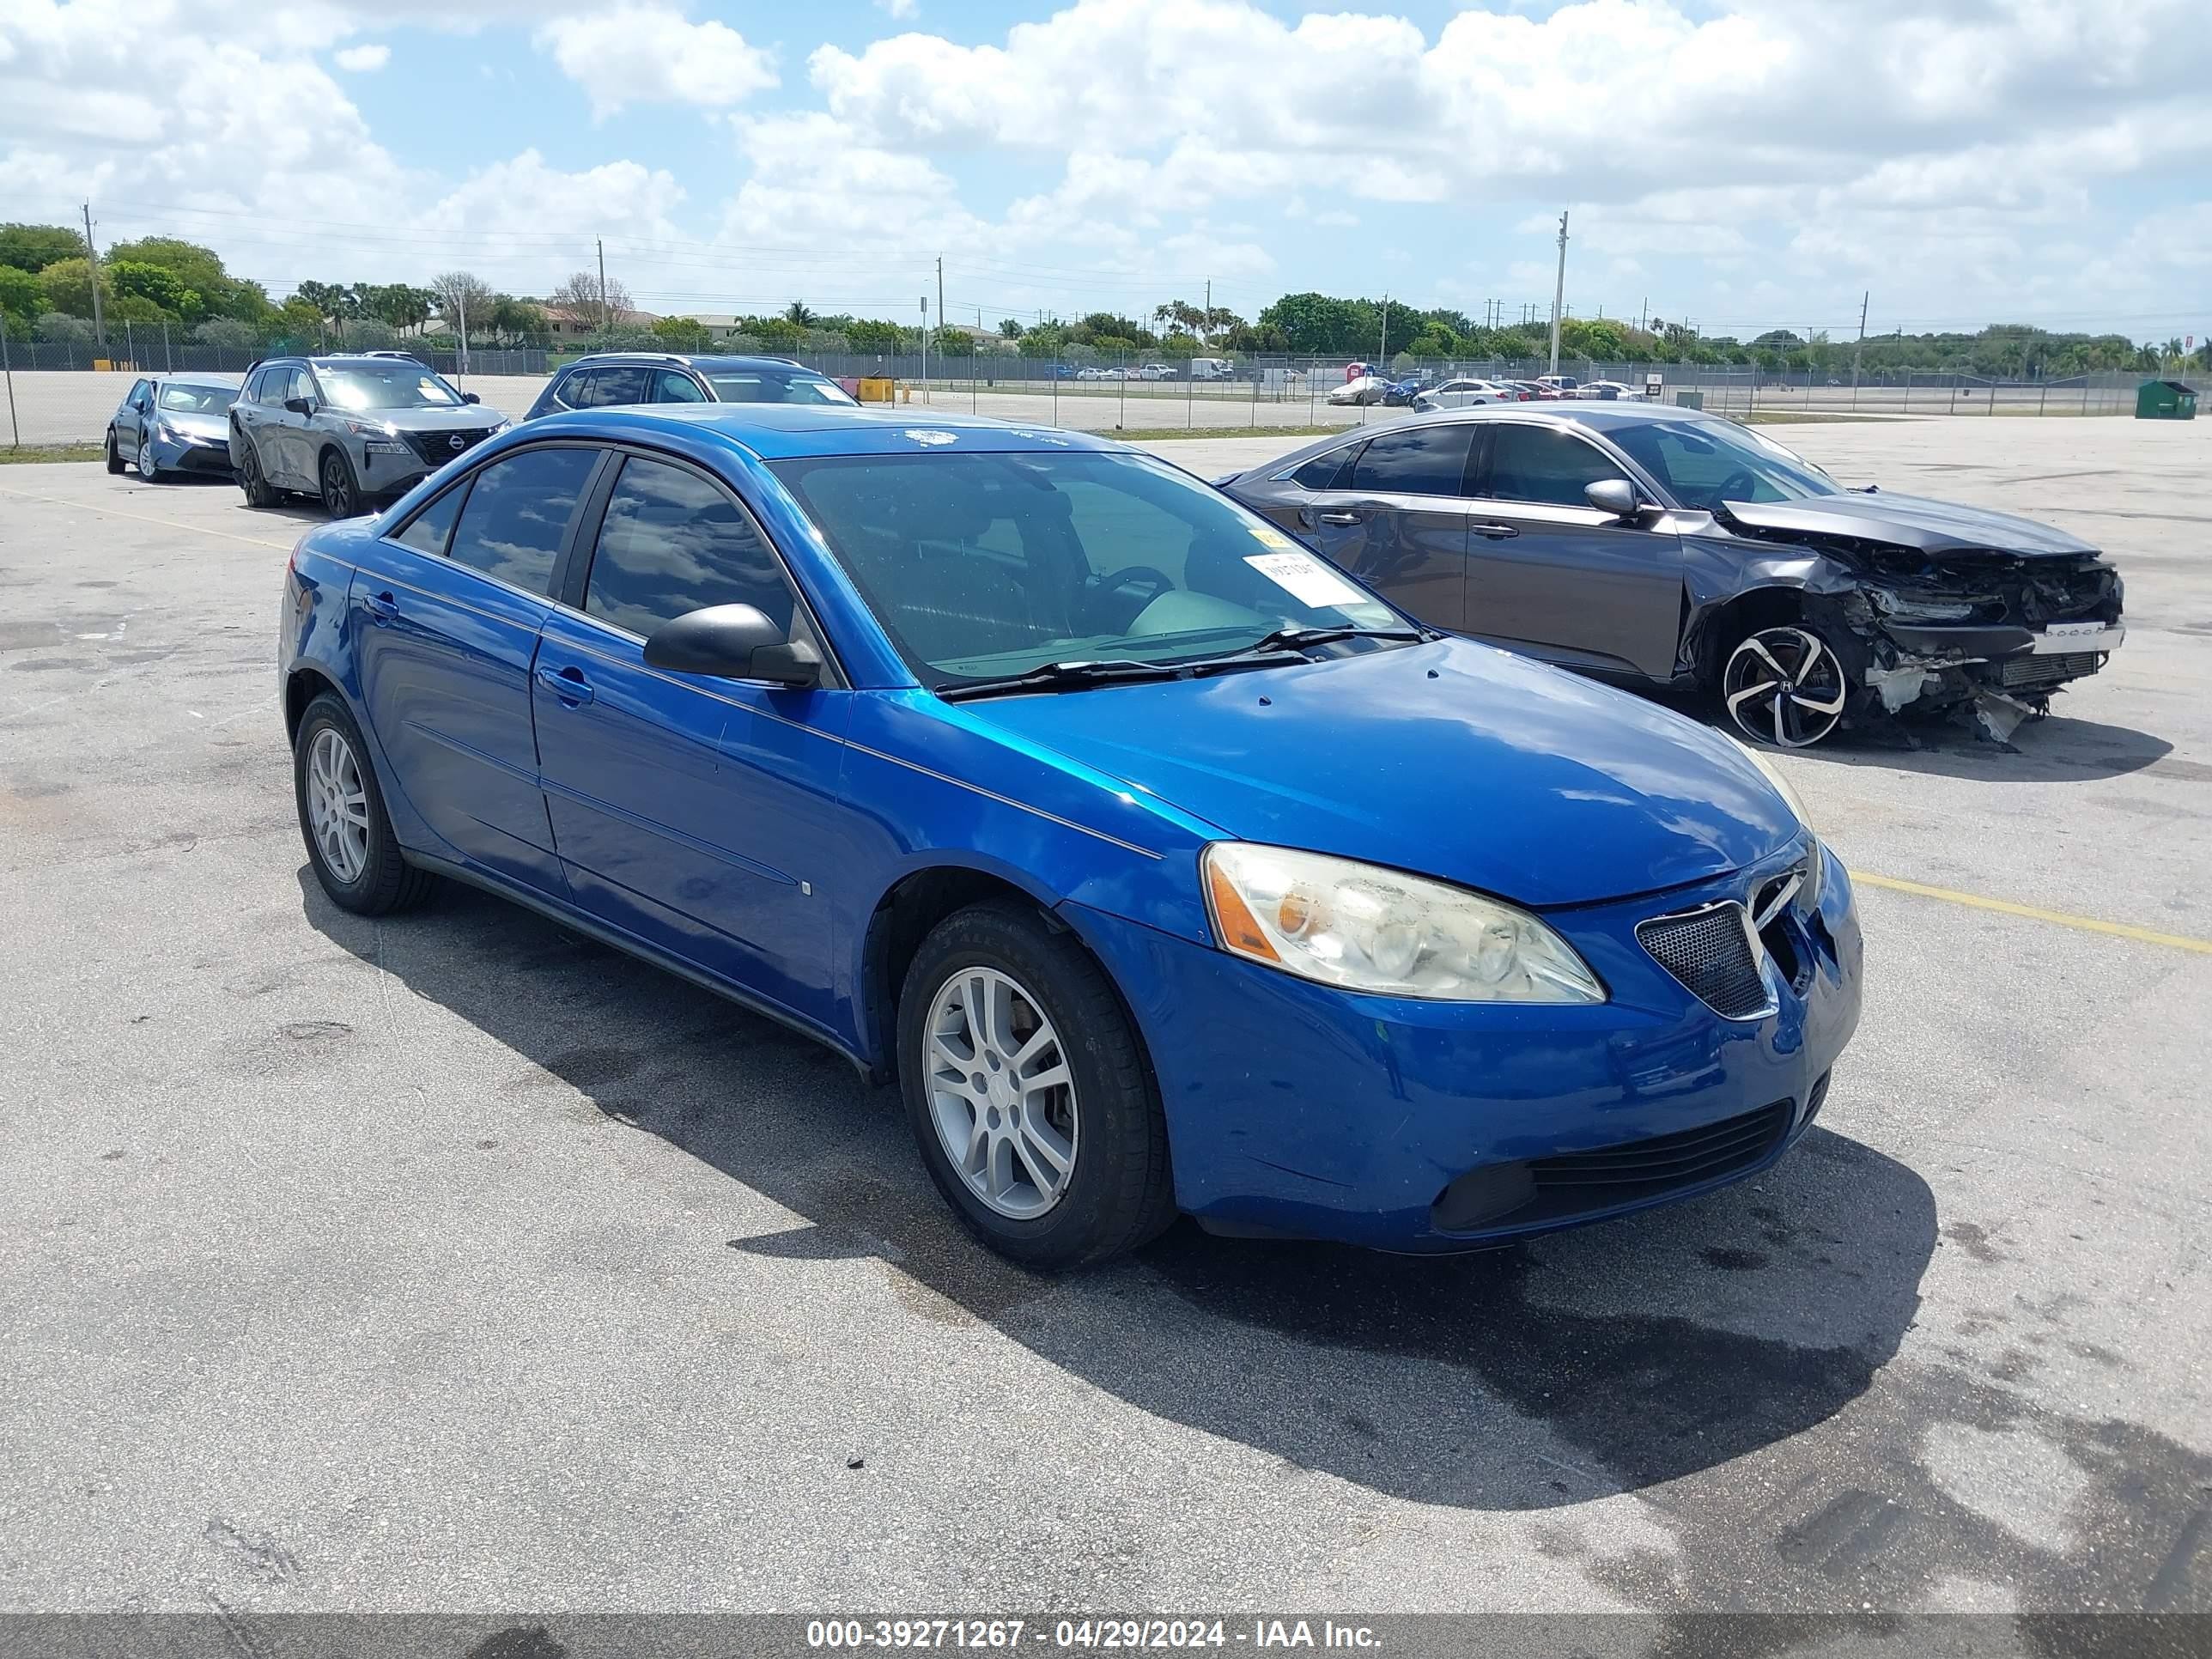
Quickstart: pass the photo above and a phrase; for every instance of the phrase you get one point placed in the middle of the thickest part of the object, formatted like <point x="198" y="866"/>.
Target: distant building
<point x="721" y="325"/>
<point x="579" y="322"/>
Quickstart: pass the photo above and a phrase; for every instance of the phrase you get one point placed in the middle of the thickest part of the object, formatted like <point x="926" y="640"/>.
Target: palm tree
<point x="796" y="311"/>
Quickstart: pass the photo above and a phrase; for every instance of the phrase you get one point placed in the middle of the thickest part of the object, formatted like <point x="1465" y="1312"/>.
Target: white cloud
<point x="901" y="9"/>
<point x="362" y="60"/>
<point x="634" y="53"/>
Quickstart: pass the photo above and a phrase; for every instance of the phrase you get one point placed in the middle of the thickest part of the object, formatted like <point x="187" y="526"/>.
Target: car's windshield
<point x="1702" y="464"/>
<point x="198" y="400"/>
<point x="384" y="385"/>
<point x="982" y="566"/>
<point x="769" y="385"/>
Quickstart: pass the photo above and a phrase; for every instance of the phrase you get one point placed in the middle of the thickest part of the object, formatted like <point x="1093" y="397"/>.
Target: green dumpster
<point x="2166" y="400"/>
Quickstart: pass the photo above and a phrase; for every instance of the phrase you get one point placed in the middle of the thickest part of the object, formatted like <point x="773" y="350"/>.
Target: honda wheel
<point x="1786" y="686"/>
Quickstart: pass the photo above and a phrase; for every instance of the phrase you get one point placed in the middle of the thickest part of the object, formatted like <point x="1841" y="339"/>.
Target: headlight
<point x="1366" y="928"/>
<point x="167" y="432"/>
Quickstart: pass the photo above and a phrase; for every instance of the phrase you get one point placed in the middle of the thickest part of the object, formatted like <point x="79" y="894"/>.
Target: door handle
<point x="1340" y="517"/>
<point x="1496" y="532"/>
<point x="567" y="684"/>
<point x="381" y="607"/>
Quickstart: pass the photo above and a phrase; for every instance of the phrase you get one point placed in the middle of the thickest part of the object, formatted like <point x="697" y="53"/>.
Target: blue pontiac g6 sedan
<point x="1163" y="867"/>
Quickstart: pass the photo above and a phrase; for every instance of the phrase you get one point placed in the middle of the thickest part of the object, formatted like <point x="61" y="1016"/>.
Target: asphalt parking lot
<point x="451" y="1261"/>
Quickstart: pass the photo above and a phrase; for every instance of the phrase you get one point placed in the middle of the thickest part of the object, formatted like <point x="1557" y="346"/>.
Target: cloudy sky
<point x="1745" y="163"/>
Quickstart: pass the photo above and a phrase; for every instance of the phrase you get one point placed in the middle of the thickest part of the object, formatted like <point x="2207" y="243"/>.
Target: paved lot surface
<point x="454" y="1262"/>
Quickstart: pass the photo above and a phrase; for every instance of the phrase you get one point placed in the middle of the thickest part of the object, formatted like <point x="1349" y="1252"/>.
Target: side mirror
<point x="471" y="398"/>
<point x="1614" y="495"/>
<point x="732" y="642"/>
<point x="301" y="405"/>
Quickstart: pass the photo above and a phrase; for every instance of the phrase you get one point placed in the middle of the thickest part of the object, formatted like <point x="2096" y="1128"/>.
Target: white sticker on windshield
<point x="1305" y="579"/>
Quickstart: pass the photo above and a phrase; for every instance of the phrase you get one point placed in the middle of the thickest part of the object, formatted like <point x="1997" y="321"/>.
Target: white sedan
<point x="1468" y="394"/>
<point x="1609" y="390"/>
<point x="1367" y="389"/>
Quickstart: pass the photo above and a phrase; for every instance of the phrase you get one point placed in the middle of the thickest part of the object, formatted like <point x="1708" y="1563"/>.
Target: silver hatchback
<point x="349" y="430"/>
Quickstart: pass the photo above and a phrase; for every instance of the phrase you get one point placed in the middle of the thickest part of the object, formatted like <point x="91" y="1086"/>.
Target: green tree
<point x="63" y="329"/>
<point x="516" y="319"/>
<point x="1314" y="323"/>
<point x="299" y="321"/>
<point x="398" y="305"/>
<point x="22" y="298"/>
<point x="227" y="333"/>
<point x="69" y="286"/>
<point x="777" y="334"/>
<point x="1010" y="328"/>
<point x="797" y="313"/>
<point x="158" y="286"/>
<point x="682" y="334"/>
<point x="33" y="247"/>
<point x="873" y="334"/>
<point x="196" y="268"/>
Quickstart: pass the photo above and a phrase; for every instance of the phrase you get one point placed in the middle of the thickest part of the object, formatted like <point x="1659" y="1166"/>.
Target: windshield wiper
<point x="1296" y="639"/>
<point x="1055" y="676"/>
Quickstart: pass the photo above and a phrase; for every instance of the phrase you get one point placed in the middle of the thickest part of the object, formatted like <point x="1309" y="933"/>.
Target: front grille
<point x="1710" y="951"/>
<point x="1577" y="1186"/>
<point x="2045" y="669"/>
<point x="439" y="447"/>
<point x="1664" y="1162"/>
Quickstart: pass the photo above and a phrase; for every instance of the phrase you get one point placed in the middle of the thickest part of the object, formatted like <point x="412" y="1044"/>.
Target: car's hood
<point x="471" y="417"/>
<point x="1911" y="521"/>
<point x="1451" y="759"/>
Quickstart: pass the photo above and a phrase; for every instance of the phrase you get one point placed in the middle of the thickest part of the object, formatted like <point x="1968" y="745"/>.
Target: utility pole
<point x="1859" y="351"/>
<point x="1206" y="328"/>
<point x="940" y="302"/>
<point x="1383" y="360"/>
<point x="1559" y="293"/>
<point x="606" y="312"/>
<point x="92" y="257"/>
<point x="925" y="344"/>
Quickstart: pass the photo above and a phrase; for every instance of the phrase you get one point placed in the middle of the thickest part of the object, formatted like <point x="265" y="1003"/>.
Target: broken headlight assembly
<point x="1818" y="859"/>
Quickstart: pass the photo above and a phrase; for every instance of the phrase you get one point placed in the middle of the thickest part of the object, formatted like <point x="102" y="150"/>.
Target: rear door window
<point x="673" y="387"/>
<point x="617" y="386"/>
<point x="1421" y="460"/>
<point x="518" y="512"/>
<point x="1326" y="470"/>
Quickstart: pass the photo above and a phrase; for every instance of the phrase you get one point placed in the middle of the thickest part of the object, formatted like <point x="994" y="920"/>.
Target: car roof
<point x="708" y="363"/>
<point x="193" y="377"/>
<point x="799" y="431"/>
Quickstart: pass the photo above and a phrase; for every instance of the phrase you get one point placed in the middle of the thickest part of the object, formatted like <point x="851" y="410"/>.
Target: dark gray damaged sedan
<point x="1666" y="546"/>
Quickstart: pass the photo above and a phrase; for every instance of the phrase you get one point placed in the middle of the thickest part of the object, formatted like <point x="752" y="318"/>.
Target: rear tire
<point x="1099" y="1139"/>
<point x="114" y="455"/>
<point x="251" y="479"/>
<point x="355" y="856"/>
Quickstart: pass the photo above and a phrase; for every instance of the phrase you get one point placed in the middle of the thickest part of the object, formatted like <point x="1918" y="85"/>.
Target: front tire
<point x="1028" y="1094"/>
<point x="1785" y="686"/>
<point x="150" y="469"/>
<point x="341" y="492"/>
<point x="342" y="817"/>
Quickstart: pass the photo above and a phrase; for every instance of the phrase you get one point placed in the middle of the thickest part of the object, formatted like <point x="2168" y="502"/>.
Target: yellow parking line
<point x="2006" y="907"/>
<point x="147" y="517"/>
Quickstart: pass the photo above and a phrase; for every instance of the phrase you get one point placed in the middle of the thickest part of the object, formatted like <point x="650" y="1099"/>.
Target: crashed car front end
<point x="1935" y="606"/>
<point x="2000" y="631"/>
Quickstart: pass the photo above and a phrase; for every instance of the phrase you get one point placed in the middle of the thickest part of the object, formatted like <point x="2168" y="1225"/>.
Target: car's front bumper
<point x="1298" y="1110"/>
<point x="191" y="454"/>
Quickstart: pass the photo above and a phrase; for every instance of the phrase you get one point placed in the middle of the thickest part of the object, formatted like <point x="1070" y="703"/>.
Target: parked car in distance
<point x="1212" y="368"/>
<point x="1659" y="546"/>
<point x="1537" y="389"/>
<point x="1609" y="391"/>
<point x="349" y="430"/>
<point x="1156" y="372"/>
<point x="169" y="423"/>
<point x="1562" y="384"/>
<point x="664" y="377"/>
<point x="1468" y="394"/>
<point x="1160" y="864"/>
<point x="1367" y="389"/>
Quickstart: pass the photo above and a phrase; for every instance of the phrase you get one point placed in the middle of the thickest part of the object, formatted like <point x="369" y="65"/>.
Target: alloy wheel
<point x="1001" y="1092"/>
<point x="149" y="468"/>
<point x="1786" y="686"/>
<point x="338" y="488"/>
<point x="337" y="804"/>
